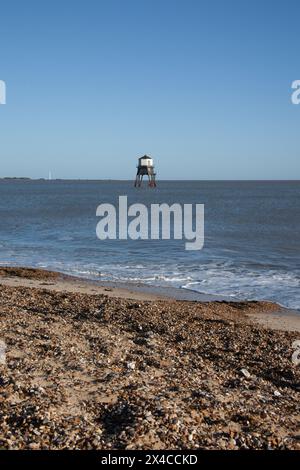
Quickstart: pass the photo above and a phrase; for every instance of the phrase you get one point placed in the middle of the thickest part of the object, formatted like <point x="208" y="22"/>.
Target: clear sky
<point x="202" y="86"/>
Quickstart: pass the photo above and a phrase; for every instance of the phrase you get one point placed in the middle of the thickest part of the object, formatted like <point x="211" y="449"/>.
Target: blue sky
<point x="204" y="87"/>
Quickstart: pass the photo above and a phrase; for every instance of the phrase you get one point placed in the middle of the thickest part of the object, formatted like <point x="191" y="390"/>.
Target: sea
<point x="251" y="247"/>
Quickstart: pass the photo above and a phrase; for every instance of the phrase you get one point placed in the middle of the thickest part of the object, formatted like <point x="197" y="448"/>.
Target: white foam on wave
<point x="282" y="287"/>
<point x="215" y="278"/>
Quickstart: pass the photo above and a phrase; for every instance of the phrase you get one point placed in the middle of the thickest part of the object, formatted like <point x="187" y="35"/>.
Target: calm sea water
<point x="252" y="235"/>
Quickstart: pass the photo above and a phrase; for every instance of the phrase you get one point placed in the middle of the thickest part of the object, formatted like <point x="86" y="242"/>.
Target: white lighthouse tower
<point x="145" y="167"/>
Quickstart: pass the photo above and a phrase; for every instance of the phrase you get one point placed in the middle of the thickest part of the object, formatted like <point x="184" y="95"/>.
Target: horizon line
<point x="28" y="178"/>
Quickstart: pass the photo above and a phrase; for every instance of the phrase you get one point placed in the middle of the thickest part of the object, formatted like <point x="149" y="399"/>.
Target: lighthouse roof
<point x="145" y="156"/>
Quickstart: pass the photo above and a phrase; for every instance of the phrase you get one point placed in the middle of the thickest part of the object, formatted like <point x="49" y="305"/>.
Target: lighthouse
<point x="145" y="167"/>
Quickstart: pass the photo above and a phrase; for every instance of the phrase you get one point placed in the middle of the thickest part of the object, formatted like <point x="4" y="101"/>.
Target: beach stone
<point x="246" y="373"/>
<point x="131" y="365"/>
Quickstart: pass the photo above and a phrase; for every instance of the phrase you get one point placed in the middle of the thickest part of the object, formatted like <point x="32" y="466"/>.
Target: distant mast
<point x="145" y="167"/>
<point x="50" y="176"/>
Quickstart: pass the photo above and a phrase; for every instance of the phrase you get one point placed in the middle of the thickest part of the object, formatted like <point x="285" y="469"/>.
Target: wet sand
<point x="101" y="367"/>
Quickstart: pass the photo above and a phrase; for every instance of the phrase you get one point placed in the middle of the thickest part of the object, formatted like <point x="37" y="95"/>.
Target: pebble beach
<point x="89" y="368"/>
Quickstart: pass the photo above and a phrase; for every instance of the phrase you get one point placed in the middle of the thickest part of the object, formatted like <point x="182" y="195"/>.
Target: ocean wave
<point x="215" y="278"/>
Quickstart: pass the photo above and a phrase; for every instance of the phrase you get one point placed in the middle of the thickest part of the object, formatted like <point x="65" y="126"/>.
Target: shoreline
<point x="123" y="287"/>
<point x="96" y="367"/>
<point x="273" y="317"/>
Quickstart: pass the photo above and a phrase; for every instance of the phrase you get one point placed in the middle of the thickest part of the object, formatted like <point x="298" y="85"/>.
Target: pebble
<point x="246" y="373"/>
